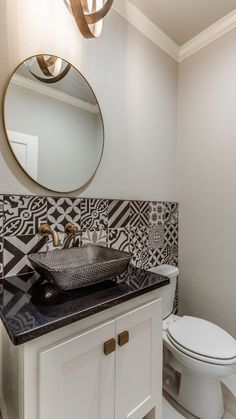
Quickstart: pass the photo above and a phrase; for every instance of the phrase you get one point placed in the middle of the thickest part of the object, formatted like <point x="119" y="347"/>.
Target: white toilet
<point x="197" y="354"/>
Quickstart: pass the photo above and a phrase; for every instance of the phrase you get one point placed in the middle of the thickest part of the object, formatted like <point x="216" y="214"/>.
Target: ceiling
<point x="181" y="20"/>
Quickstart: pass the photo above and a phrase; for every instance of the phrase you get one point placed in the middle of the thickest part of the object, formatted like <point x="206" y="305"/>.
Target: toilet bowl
<point x="197" y="353"/>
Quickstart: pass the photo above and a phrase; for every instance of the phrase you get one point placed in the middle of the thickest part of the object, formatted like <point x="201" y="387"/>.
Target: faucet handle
<point x="44" y="229"/>
<point x="71" y="228"/>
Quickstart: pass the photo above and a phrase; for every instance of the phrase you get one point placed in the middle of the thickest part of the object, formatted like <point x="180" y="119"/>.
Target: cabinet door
<point x="76" y="379"/>
<point x="139" y="363"/>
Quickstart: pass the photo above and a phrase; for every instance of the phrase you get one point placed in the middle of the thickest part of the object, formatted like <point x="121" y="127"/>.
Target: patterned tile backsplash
<point x="149" y="230"/>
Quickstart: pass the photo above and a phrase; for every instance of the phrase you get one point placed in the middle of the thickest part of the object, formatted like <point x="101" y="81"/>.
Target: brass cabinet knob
<point x="123" y="338"/>
<point x="109" y="346"/>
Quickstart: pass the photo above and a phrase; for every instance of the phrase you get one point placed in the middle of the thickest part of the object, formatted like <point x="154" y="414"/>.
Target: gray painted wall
<point x="207" y="181"/>
<point x="135" y="83"/>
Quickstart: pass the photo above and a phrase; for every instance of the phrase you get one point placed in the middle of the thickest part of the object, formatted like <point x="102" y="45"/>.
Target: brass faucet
<point x="71" y="228"/>
<point x="46" y="230"/>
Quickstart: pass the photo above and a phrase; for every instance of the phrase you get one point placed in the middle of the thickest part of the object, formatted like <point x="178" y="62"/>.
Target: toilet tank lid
<point x="167" y="270"/>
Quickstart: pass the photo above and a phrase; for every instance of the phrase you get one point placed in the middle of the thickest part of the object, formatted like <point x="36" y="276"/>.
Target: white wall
<point x="207" y="183"/>
<point x="135" y="83"/>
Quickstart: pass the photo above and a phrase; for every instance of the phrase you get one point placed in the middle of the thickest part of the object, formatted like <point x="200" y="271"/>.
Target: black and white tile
<point x="171" y="234"/>
<point x="139" y="238"/>
<point x="157" y="256"/>
<point x="23" y="214"/>
<point x="94" y="214"/>
<point x="148" y="230"/>
<point x="98" y="237"/>
<point x="62" y="211"/>
<point x="171" y="213"/>
<point x="15" y="253"/>
<point x="156" y="213"/>
<point x="118" y="214"/>
<point x="156" y="236"/>
<point x="71" y="240"/>
<point x="1" y="215"/>
<point x="119" y="238"/>
<point x="1" y="257"/>
<point x="139" y="247"/>
<point x="139" y="213"/>
<point x="140" y="258"/>
<point x="167" y="255"/>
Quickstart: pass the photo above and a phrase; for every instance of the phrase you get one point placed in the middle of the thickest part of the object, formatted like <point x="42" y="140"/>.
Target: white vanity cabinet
<point x="76" y="379"/>
<point x="138" y="371"/>
<point x="67" y="374"/>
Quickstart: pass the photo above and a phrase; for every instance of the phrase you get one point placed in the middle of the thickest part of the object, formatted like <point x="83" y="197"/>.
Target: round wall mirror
<point x="53" y="123"/>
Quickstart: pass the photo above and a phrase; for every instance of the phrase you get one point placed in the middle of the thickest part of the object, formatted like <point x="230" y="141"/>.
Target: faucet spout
<point x="46" y="230"/>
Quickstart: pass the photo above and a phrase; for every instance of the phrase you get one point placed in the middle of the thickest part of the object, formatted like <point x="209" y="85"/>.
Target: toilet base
<point x="200" y="395"/>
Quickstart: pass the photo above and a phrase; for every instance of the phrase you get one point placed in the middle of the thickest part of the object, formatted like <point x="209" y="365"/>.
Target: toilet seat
<point x="202" y="340"/>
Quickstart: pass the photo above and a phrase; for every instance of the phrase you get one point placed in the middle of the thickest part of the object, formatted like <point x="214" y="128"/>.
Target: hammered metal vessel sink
<point x="80" y="266"/>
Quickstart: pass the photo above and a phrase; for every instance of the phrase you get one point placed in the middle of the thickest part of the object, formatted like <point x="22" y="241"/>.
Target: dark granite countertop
<point x="31" y="307"/>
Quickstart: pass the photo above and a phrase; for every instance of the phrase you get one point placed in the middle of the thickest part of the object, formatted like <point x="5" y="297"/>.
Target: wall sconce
<point x="88" y="15"/>
<point x="49" y="67"/>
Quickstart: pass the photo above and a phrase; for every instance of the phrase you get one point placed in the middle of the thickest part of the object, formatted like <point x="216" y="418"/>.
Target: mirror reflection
<point x="53" y="123"/>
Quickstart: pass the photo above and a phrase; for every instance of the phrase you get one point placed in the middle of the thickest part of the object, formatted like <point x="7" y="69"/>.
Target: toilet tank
<point x="167" y="293"/>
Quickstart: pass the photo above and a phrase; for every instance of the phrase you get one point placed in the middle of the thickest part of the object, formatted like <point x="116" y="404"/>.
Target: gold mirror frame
<point x="8" y="141"/>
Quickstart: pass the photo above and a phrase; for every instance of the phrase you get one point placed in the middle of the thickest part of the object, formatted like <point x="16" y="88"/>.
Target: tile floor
<point x="173" y="411"/>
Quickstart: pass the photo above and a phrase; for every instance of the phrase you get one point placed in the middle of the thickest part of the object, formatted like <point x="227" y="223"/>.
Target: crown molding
<point x="53" y="93"/>
<point x="209" y="35"/>
<point x="136" y="18"/>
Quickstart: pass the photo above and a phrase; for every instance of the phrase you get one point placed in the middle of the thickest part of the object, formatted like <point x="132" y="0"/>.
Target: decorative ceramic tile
<point x="119" y="238"/>
<point x="167" y="255"/>
<point x="139" y="247"/>
<point x="98" y="237"/>
<point x="157" y="236"/>
<point x="16" y="250"/>
<point x="118" y="214"/>
<point x="149" y="230"/>
<point x="139" y="238"/>
<point x="171" y="234"/>
<point x="156" y="257"/>
<point x="176" y="300"/>
<point x="62" y="211"/>
<point x="94" y="214"/>
<point x="1" y="257"/>
<point x="171" y="213"/>
<point x="140" y="258"/>
<point x="139" y="213"/>
<point x="157" y="213"/>
<point x="23" y="214"/>
<point x="1" y="216"/>
<point x="71" y="240"/>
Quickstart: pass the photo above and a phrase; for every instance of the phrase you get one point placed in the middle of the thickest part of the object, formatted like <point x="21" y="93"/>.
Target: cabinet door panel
<point x="76" y="379"/>
<point x="139" y="363"/>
